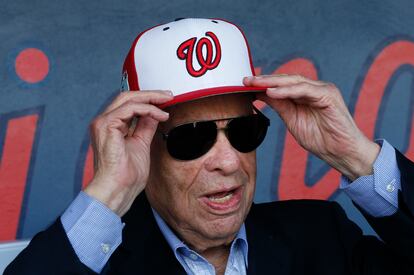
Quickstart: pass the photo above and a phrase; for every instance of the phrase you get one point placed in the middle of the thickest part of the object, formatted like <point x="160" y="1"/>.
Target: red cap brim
<point x="193" y="95"/>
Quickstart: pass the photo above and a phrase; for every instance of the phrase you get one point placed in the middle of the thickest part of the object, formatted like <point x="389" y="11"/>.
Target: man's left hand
<point x="316" y="115"/>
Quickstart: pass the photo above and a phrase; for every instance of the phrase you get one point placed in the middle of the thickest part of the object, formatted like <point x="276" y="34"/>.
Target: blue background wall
<point x="85" y="43"/>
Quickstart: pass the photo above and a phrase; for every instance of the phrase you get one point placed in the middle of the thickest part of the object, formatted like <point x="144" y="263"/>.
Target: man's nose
<point x="222" y="157"/>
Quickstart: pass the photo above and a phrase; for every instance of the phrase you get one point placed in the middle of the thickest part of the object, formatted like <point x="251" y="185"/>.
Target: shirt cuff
<point x="377" y="194"/>
<point x="93" y="229"/>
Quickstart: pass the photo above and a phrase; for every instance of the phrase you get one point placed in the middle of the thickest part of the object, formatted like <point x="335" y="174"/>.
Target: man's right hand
<point x="121" y="154"/>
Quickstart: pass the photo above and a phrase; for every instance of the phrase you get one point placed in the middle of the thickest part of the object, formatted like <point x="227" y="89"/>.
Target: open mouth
<point x="221" y="197"/>
<point x="227" y="200"/>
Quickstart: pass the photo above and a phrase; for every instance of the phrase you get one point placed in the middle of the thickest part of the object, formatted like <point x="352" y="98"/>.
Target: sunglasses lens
<point x="247" y="133"/>
<point x="190" y="141"/>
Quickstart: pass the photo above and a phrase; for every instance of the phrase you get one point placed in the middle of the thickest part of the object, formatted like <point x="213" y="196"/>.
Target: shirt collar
<point x="175" y="243"/>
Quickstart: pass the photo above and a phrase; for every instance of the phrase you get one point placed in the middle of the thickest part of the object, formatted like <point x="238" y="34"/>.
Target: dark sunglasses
<point x="192" y="140"/>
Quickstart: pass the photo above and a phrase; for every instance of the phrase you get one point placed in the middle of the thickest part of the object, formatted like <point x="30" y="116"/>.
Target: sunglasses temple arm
<point x="260" y="113"/>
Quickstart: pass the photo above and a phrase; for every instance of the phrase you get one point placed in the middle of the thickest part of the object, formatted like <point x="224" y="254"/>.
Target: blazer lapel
<point x="144" y="249"/>
<point x="270" y="250"/>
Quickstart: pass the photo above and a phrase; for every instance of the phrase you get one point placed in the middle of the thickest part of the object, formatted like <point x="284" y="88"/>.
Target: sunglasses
<point x="192" y="140"/>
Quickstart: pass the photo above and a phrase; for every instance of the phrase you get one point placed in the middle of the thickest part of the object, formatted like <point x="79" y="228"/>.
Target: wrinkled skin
<point x="316" y="115"/>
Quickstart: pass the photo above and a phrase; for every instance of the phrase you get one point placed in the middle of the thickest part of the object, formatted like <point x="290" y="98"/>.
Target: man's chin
<point x="223" y="227"/>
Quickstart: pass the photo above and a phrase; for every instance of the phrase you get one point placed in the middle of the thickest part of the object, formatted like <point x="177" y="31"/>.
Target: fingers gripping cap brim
<point x="193" y="58"/>
<point x="194" y="95"/>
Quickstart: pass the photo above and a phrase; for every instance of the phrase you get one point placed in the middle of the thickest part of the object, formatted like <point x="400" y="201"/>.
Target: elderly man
<point x="179" y="168"/>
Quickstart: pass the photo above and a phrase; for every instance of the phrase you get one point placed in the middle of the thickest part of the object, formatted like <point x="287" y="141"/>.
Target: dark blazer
<point x="290" y="237"/>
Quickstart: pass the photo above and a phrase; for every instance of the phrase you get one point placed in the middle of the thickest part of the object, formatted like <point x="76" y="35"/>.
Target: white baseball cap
<point x="192" y="57"/>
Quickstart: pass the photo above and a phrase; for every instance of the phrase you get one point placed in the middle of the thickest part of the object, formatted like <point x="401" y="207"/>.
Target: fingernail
<point x="249" y="78"/>
<point x="167" y="92"/>
<point x="272" y="90"/>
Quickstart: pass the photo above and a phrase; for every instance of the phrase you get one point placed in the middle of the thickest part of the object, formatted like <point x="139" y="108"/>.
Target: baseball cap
<point x="192" y="57"/>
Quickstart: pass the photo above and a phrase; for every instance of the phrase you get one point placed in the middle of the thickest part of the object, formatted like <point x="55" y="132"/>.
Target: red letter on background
<point x="14" y="166"/>
<point x="379" y="74"/>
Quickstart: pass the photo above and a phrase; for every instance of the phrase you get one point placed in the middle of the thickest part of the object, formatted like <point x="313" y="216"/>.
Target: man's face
<point x="204" y="200"/>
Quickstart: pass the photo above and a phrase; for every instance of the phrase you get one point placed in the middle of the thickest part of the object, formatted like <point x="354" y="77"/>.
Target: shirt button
<point x="105" y="248"/>
<point x="390" y="186"/>
<point x="193" y="256"/>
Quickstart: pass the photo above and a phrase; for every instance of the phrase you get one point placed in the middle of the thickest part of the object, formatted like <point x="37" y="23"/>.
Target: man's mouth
<point x="221" y="197"/>
<point x="223" y="200"/>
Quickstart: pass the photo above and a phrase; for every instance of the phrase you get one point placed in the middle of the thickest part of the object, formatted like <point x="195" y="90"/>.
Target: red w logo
<point x="186" y="49"/>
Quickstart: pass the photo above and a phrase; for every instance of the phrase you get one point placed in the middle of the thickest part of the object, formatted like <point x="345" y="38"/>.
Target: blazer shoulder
<point x="313" y="213"/>
<point x="49" y="252"/>
<point x="303" y="206"/>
